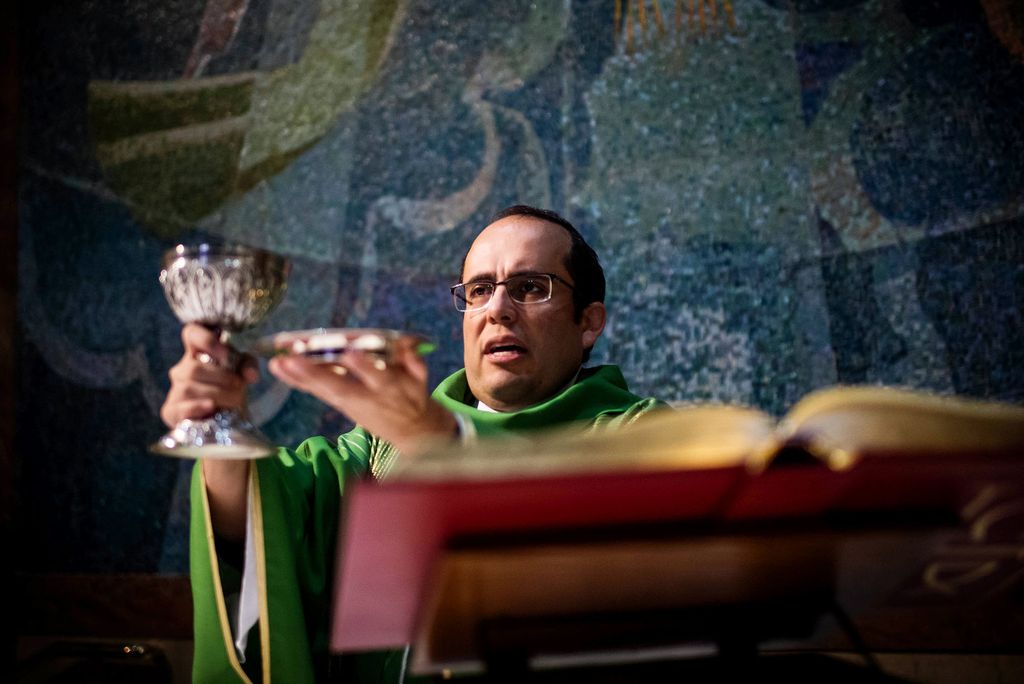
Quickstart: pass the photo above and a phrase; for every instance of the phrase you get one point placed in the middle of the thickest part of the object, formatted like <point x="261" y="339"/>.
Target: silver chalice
<point x="227" y="288"/>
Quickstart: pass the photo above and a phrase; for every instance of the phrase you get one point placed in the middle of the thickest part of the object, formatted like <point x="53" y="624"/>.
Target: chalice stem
<point x="234" y="359"/>
<point x="233" y="363"/>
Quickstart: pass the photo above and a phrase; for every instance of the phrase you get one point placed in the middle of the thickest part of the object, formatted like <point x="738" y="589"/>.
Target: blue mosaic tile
<point x="785" y="195"/>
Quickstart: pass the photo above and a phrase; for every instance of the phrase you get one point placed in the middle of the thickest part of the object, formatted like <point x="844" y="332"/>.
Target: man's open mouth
<point x="505" y="348"/>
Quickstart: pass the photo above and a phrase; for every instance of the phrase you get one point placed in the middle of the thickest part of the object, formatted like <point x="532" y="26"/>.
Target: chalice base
<point x="225" y="435"/>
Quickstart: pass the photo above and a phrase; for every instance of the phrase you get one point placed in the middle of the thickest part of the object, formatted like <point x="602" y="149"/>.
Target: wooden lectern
<point x="602" y="546"/>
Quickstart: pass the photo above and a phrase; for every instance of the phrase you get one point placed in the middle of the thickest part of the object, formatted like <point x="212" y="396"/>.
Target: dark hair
<point x="582" y="263"/>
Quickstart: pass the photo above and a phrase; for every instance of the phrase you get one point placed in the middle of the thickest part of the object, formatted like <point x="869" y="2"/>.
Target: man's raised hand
<point x="202" y="382"/>
<point x="391" y="401"/>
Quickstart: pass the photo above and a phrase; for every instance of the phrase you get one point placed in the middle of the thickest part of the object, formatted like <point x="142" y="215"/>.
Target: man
<point x="531" y="295"/>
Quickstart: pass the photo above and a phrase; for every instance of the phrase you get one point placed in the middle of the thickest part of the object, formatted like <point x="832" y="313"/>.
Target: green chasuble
<point x="296" y="501"/>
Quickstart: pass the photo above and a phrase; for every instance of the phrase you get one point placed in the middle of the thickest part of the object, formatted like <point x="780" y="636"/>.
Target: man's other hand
<point x="202" y="381"/>
<point x="390" y="401"/>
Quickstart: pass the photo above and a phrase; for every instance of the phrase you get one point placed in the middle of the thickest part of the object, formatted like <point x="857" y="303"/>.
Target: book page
<point x="840" y="424"/>
<point x="694" y="437"/>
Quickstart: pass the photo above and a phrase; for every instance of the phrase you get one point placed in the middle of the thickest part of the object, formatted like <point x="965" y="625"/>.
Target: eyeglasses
<point x="529" y="288"/>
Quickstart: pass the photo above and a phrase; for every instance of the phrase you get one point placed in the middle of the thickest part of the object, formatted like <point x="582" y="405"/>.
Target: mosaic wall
<point x="786" y="194"/>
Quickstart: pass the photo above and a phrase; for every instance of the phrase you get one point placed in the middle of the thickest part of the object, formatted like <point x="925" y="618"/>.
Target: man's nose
<point x="501" y="307"/>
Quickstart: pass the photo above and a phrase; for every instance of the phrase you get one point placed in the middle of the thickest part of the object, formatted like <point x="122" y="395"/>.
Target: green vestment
<point x="296" y="501"/>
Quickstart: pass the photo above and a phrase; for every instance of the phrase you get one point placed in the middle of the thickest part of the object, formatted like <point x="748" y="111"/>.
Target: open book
<point x="847" y="451"/>
<point x="836" y="426"/>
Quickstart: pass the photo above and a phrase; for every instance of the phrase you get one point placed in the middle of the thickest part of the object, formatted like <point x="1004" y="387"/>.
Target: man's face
<point x="517" y="355"/>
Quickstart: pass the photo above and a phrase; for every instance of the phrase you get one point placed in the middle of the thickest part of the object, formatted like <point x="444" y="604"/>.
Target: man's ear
<point x="592" y="323"/>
